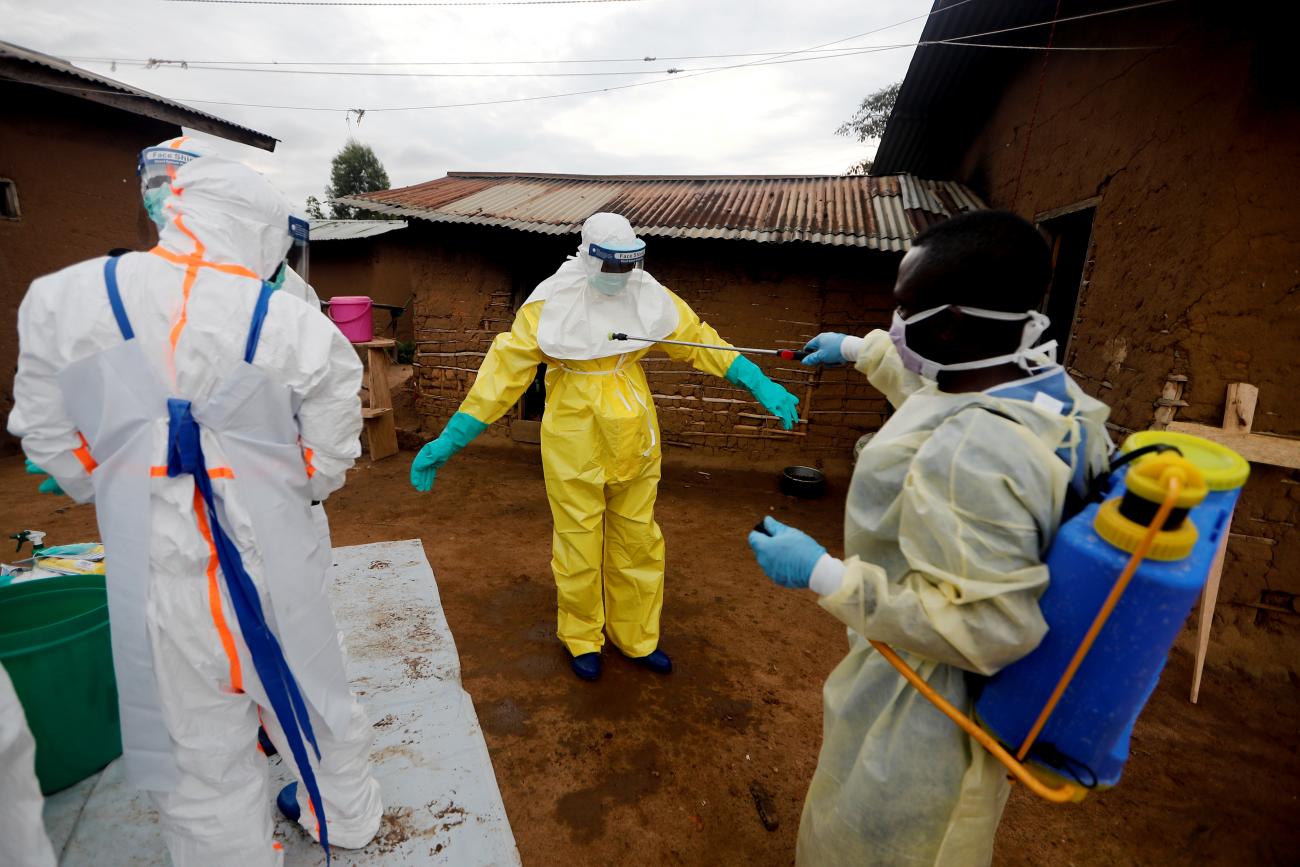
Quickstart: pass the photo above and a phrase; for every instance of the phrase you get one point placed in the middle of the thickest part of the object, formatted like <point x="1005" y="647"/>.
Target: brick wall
<point x="753" y="294"/>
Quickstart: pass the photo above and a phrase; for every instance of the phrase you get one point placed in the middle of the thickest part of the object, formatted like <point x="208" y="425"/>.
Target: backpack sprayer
<point x="1072" y="702"/>
<point x="787" y="354"/>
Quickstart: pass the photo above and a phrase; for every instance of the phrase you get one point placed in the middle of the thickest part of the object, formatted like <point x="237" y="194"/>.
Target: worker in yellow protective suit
<point x="600" y="436"/>
<point x="952" y="507"/>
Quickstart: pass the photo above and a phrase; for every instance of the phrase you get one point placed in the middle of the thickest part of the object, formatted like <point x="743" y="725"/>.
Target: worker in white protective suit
<point x="600" y="434"/>
<point x="157" y="166"/>
<point x="23" y="842"/>
<point x="203" y="412"/>
<point x="952" y="507"/>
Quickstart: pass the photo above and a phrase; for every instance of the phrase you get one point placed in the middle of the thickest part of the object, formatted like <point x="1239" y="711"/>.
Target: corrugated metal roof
<point x="351" y="230"/>
<point x="881" y="213"/>
<point x="26" y="66"/>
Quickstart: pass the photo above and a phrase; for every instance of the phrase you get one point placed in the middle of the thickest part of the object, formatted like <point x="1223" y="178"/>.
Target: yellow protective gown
<point x="600" y="457"/>
<point x="950" y="511"/>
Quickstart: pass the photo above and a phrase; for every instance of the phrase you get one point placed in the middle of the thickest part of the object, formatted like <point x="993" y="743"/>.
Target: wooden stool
<point x="378" y="417"/>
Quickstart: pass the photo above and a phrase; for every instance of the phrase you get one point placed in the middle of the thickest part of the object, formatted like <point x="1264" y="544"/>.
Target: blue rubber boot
<point x="656" y="661"/>
<point x="287" y="801"/>
<point x="587" y="666"/>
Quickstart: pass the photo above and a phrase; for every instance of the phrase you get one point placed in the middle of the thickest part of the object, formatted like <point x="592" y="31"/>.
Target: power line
<point x="155" y="62"/>
<point x="254" y="65"/>
<point x="843" y="52"/>
<point x="646" y="59"/>
<point x="1053" y="21"/>
<point x="410" y="3"/>
<point x="1046" y="47"/>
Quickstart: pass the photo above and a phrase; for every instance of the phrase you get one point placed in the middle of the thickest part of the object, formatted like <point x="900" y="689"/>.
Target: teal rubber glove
<point x="773" y="397"/>
<point x="787" y="555"/>
<point x="459" y="432"/>
<point x="824" y="349"/>
<point x="50" y="485"/>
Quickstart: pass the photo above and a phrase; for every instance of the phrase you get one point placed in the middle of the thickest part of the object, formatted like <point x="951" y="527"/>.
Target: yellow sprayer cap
<point x="1149" y="479"/>
<point x="1223" y="469"/>
<point x="1127" y="535"/>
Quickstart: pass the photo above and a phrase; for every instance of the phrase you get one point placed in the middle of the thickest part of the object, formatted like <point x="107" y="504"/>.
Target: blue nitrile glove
<point x="459" y="432"/>
<point x="50" y="485"/>
<point x="824" y="349"/>
<point x="787" y="555"/>
<point x="773" y="397"/>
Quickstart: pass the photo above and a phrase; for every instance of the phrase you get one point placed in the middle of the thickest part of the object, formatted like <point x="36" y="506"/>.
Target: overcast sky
<point x="772" y="120"/>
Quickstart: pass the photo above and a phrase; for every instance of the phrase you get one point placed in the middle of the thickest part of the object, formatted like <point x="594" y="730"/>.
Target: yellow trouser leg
<point x="578" y="511"/>
<point x="634" y="564"/>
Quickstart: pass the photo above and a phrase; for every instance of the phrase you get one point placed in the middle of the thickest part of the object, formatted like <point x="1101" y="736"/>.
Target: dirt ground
<point x="639" y="769"/>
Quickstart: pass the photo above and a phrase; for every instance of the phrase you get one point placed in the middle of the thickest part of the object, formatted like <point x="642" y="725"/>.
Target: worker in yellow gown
<point x="600" y="435"/>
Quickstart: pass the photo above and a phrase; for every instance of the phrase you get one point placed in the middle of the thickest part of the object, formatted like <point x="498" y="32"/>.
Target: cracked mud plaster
<point x="1195" y="254"/>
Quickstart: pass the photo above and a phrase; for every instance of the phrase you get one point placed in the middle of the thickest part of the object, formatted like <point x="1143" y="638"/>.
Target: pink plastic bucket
<point x="353" y="314"/>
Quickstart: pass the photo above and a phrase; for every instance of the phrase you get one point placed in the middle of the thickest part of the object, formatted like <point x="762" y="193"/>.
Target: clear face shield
<point x="613" y="269"/>
<point x="300" y="234"/>
<point x="156" y="167"/>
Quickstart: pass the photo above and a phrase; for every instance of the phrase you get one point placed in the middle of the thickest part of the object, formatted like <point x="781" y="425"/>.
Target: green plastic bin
<point x="54" y="643"/>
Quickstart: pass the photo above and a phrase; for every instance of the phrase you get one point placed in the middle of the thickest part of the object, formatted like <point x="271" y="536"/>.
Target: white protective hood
<point x="577" y="319"/>
<point x="232" y="211"/>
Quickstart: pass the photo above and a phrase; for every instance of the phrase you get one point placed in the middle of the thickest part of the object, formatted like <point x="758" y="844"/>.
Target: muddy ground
<point x="639" y="769"/>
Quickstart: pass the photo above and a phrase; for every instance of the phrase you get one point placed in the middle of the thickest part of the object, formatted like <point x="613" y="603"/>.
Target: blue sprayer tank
<point x="1086" y="738"/>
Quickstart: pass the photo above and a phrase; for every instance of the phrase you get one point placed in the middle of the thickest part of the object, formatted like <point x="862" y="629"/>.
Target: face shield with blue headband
<point x="612" y="268"/>
<point x="156" y="166"/>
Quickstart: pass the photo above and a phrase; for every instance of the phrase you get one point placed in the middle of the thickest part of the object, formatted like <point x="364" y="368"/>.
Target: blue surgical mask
<point x="609" y="284"/>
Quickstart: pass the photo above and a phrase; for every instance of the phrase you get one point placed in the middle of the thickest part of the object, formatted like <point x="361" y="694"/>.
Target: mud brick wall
<point x="1193" y="157"/>
<point x="773" y="296"/>
<point x="90" y="205"/>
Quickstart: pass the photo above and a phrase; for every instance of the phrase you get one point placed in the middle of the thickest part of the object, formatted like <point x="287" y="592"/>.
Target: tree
<point x="313" y="208"/>
<point x="869" y="121"/>
<point x="355" y="169"/>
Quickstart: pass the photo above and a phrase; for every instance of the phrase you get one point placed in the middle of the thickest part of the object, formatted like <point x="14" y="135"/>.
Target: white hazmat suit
<point x="145" y="406"/>
<point x="22" y="831"/>
<point x="951" y="509"/>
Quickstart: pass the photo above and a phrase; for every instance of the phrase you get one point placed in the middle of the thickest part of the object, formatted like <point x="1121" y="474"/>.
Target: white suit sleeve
<point x="980" y="501"/>
<point x="329" y="418"/>
<point x="878" y="361"/>
<point x="50" y="439"/>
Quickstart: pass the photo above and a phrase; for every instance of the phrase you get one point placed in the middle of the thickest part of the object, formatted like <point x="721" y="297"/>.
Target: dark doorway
<point x="1071" y="237"/>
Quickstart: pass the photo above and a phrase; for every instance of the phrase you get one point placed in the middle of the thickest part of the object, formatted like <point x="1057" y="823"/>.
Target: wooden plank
<point x="377" y="362"/>
<point x="382" y="433"/>
<point x="368" y="412"/>
<point x="377" y="343"/>
<point x="1205" y="619"/>
<point x="1170" y="400"/>
<point x="1239" y="410"/>
<point x="1254" y="447"/>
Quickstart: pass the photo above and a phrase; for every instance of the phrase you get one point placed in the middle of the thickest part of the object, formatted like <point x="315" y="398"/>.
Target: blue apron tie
<point x="115" y="298"/>
<point x="185" y="458"/>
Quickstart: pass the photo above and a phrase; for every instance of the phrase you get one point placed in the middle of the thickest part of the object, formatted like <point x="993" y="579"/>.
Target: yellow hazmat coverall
<point x="949" y="513"/>
<point x="600" y="457"/>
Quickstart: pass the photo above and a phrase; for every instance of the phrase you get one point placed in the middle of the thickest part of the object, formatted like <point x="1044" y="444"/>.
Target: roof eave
<point x="22" y="72"/>
<point x="893" y="245"/>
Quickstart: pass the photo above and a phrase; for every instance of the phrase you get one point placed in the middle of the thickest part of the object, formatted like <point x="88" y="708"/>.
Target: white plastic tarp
<point x="442" y="804"/>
